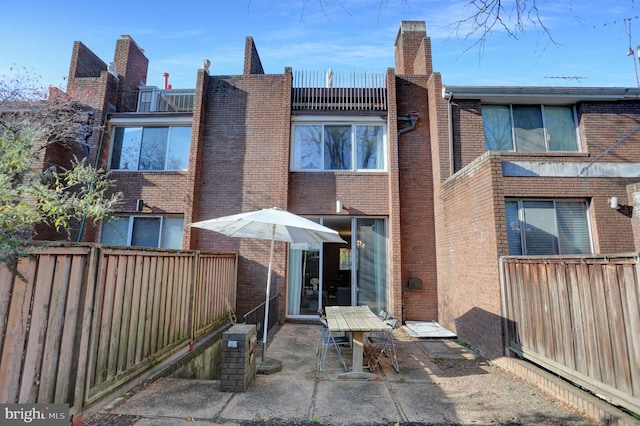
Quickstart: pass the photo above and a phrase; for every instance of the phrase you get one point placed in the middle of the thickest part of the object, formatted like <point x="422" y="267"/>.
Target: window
<point x="151" y="148"/>
<point x="144" y="231"/>
<point x="547" y="227"/>
<point x="326" y="147"/>
<point x="529" y="128"/>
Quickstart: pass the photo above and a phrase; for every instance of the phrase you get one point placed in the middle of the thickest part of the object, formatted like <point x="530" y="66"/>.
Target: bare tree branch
<point x="489" y="16"/>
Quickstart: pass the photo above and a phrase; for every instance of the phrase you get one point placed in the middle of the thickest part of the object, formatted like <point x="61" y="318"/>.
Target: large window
<point x="151" y="148"/>
<point x="326" y="147"/>
<point x="547" y="227"/>
<point x="529" y="128"/>
<point x="144" y="231"/>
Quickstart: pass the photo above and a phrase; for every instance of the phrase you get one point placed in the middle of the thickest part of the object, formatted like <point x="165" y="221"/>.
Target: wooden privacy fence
<point x="578" y="317"/>
<point x="79" y="321"/>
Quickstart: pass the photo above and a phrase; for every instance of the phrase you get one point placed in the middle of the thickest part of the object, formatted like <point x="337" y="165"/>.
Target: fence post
<point x="503" y="297"/>
<point x="195" y="276"/>
<point x="87" y="313"/>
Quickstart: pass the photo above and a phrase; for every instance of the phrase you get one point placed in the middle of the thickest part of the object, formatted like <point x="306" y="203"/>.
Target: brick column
<point x="238" y="358"/>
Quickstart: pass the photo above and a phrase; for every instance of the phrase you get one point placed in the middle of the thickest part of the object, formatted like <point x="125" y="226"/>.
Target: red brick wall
<point x="132" y="64"/>
<point x="422" y="64"/>
<point x="85" y="63"/>
<point x="252" y="63"/>
<point x="468" y="278"/>
<point x="603" y="124"/>
<point x="361" y="194"/>
<point x="467" y="131"/>
<point x="132" y="72"/>
<point x="246" y="152"/>
<point x="90" y="83"/>
<point x="470" y="214"/>
<point x="198" y="126"/>
<point x="395" y="239"/>
<point x="416" y="201"/>
<point x="409" y="41"/>
<point x="164" y="192"/>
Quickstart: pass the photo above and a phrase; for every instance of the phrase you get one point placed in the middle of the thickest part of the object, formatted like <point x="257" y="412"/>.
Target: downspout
<point x="450" y="124"/>
<point x="95" y="166"/>
<point x="412" y="119"/>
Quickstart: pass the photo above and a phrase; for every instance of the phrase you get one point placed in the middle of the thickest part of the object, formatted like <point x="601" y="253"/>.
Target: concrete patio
<point x="440" y="382"/>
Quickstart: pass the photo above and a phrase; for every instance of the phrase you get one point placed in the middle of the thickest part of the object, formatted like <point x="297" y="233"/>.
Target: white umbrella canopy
<point x="260" y="224"/>
<point x="271" y="224"/>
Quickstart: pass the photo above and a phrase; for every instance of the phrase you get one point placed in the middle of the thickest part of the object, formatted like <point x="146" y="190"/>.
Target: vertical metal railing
<point x="156" y="100"/>
<point x="348" y="91"/>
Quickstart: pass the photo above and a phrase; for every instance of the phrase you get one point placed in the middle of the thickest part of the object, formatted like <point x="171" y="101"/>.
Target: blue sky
<point x="592" y="38"/>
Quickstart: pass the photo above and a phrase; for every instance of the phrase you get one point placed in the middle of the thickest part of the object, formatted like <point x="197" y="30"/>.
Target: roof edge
<point x="559" y="94"/>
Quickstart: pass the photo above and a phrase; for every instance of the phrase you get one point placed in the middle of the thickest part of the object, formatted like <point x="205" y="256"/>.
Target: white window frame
<point x="544" y="126"/>
<point x="130" y="122"/>
<point x="340" y="121"/>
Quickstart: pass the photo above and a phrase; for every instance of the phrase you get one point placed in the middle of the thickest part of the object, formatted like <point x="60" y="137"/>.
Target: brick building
<point x="428" y="184"/>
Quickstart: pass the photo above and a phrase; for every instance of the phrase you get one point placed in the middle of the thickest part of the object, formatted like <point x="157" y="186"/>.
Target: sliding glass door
<point x="371" y="263"/>
<point x="303" y="295"/>
<point x="340" y="274"/>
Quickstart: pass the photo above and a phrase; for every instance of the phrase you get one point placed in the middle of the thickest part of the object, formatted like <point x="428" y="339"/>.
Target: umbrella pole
<point x="265" y="324"/>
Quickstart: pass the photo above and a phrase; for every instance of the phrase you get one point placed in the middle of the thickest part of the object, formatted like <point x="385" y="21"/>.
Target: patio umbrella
<point x="271" y="224"/>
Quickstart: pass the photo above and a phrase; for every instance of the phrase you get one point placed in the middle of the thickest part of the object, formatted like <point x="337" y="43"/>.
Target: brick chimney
<point x="131" y="62"/>
<point x="413" y="49"/>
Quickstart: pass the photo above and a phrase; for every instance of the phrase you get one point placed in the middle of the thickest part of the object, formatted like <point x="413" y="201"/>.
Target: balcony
<point x="152" y="99"/>
<point x="339" y="91"/>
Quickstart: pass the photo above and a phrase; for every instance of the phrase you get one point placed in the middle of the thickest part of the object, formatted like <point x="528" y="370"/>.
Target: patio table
<point x="356" y="320"/>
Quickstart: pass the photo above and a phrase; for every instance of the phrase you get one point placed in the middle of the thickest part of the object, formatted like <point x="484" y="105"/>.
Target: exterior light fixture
<point x="140" y="204"/>
<point x="613" y="202"/>
<point x="624" y="209"/>
<point x="338" y="206"/>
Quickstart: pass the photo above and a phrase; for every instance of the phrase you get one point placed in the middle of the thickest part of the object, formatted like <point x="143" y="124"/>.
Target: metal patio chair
<point x="327" y="339"/>
<point x="382" y="344"/>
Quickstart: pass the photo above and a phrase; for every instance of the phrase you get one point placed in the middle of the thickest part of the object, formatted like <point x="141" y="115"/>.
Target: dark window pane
<point x="115" y="232"/>
<point x="154" y="148"/>
<point x="307" y="141"/>
<point x="496" y="121"/>
<point x="527" y="121"/>
<point x="126" y="148"/>
<point x="146" y="232"/>
<point x="337" y="147"/>
<point x="179" y="145"/>
<point x="573" y="229"/>
<point x="369" y="147"/>
<point x="172" y="232"/>
<point x="540" y="228"/>
<point x="561" y="128"/>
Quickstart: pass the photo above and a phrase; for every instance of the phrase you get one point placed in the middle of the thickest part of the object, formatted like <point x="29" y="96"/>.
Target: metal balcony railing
<point x="168" y="100"/>
<point x="346" y="91"/>
<point x="152" y="99"/>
